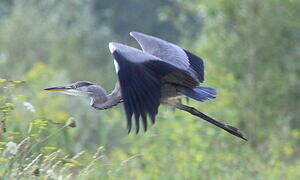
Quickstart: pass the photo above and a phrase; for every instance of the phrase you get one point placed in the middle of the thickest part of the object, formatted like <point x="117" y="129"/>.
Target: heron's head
<point x="80" y="88"/>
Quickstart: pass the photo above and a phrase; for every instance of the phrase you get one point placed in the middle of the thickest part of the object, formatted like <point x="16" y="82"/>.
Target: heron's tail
<point x="200" y="93"/>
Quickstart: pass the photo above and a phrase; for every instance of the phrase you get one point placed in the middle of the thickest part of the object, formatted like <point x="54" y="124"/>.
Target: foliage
<point x="251" y="53"/>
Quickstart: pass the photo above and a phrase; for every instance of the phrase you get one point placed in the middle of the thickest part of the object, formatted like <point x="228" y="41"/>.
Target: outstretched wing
<point x="171" y="53"/>
<point x="140" y="75"/>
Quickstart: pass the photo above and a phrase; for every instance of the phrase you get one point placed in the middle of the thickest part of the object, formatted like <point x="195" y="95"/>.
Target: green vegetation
<point x="251" y="51"/>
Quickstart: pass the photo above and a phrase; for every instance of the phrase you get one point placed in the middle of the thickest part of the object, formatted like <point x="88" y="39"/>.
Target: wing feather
<point x="141" y="76"/>
<point x="197" y="64"/>
<point x="171" y="53"/>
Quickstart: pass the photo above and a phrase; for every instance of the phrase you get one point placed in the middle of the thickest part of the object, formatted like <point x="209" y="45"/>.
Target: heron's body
<point x="157" y="74"/>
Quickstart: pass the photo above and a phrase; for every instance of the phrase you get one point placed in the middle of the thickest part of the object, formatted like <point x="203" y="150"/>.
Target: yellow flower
<point x="199" y="157"/>
<point x="2" y="80"/>
<point x="14" y="133"/>
<point x="34" y="135"/>
<point x="3" y="143"/>
<point x="17" y="82"/>
<point x="2" y="160"/>
<point x="10" y="105"/>
<point x="62" y="116"/>
<point x="48" y="148"/>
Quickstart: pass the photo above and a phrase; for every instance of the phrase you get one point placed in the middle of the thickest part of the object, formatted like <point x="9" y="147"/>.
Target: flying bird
<point x="158" y="74"/>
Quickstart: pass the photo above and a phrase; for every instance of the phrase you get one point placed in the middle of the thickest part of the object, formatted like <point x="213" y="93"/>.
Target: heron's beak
<point x="59" y="88"/>
<point x="68" y="90"/>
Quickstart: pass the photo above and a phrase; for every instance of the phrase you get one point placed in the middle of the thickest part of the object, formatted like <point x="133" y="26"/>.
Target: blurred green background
<point x="251" y="50"/>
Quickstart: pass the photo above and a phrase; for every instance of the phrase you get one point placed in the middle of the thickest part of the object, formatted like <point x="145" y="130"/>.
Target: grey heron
<point x="158" y="74"/>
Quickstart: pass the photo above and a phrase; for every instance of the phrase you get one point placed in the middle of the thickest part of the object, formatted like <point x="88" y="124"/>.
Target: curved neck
<point x="107" y="101"/>
<point x="97" y="100"/>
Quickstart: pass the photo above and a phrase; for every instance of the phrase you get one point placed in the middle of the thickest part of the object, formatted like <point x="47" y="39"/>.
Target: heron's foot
<point x="235" y="131"/>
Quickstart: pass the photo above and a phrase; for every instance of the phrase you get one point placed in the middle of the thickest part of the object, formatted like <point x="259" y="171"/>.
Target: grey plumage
<point x="146" y="80"/>
<point x="99" y="98"/>
<point x="155" y="75"/>
<point x="112" y="99"/>
<point x="171" y="54"/>
<point x="162" y="49"/>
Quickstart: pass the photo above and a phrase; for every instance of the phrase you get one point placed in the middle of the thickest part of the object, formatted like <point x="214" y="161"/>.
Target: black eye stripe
<point x="82" y="83"/>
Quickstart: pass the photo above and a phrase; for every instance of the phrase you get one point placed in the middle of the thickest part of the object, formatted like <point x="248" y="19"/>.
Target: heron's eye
<point x="73" y="86"/>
